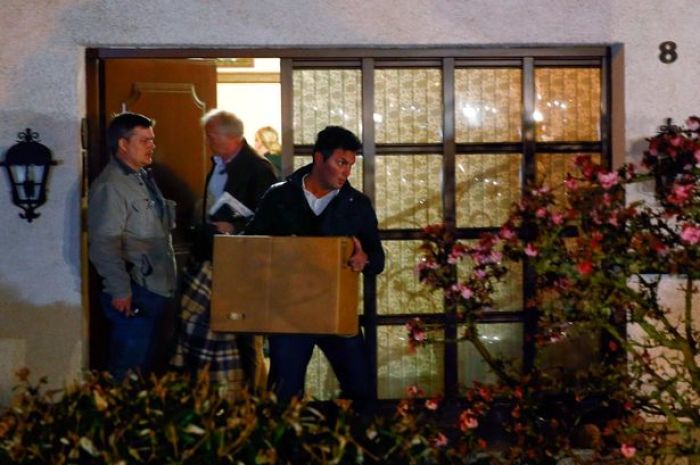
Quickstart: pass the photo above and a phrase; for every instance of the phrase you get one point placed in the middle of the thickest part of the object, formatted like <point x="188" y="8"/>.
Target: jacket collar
<point x="126" y="169"/>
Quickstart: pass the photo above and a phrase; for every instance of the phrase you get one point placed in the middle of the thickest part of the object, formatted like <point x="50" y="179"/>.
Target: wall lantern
<point x="28" y="163"/>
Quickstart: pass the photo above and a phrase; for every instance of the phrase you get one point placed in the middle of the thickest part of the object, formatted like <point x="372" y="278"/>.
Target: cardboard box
<point x="301" y="285"/>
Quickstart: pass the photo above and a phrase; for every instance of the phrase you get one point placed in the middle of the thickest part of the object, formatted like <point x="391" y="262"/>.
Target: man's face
<point x="220" y="142"/>
<point x="334" y="172"/>
<point x="137" y="150"/>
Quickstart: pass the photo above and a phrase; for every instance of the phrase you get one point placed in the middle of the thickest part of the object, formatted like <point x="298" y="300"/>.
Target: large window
<point x="446" y="139"/>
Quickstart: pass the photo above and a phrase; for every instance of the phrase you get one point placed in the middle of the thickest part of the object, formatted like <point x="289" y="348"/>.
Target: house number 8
<point x="668" y="52"/>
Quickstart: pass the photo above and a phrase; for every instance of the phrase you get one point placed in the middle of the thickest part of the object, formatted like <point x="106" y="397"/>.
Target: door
<point x="175" y="93"/>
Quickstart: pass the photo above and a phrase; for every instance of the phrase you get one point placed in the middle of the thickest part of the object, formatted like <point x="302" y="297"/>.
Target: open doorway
<point x="176" y="93"/>
<point x="251" y="90"/>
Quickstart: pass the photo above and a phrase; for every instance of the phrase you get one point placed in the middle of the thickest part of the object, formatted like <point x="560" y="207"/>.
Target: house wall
<point x="42" y="86"/>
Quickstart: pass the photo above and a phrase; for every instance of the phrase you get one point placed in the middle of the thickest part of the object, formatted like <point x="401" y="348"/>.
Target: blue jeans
<point x="290" y="355"/>
<point x="132" y="338"/>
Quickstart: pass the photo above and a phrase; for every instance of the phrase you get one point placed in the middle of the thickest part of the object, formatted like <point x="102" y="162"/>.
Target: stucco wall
<point x="42" y="46"/>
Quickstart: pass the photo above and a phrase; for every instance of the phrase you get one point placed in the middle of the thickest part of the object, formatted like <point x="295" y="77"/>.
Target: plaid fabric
<point x="198" y="347"/>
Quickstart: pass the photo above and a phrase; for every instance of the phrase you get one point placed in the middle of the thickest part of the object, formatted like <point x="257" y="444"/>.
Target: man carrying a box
<point x="318" y="200"/>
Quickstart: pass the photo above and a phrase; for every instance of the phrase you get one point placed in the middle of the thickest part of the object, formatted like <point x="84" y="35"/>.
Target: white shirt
<point x="317" y="204"/>
<point x="217" y="181"/>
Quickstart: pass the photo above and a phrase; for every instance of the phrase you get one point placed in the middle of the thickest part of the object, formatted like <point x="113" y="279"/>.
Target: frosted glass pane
<point x="408" y="190"/>
<point x="503" y="340"/>
<point x="552" y="169"/>
<point x="301" y="160"/>
<point x="355" y="175"/>
<point x="488" y="105"/>
<point x="486" y="188"/>
<point x="567" y="106"/>
<point x="325" y="97"/>
<point x="508" y="293"/>
<point x="408" y="105"/>
<point x="398" y="368"/>
<point x="321" y="382"/>
<point x="398" y="288"/>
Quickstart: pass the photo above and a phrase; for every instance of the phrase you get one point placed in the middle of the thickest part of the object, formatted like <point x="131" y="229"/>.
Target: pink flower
<point x="557" y="218"/>
<point x="541" y="212"/>
<point x="571" y="184"/>
<point x="608" y="180"/>
<point x="506" y="233"/>
<point x="628" y="451"/>
<point x="697" y="156"/>
<point x="467" y="420"/>
<point x="455" y="254"/>
<point x="693" y="123"/>
<point x="414" y="391"/>
<point x="480" y="274"/>
<point x="432" y="404"/>
<point x="586" y="166"/>
<point x="440" y="440"/>
<point x="485" y="394"/>
<point x="465" y="292"/>
<point x="690" y="234"/>
<point x="416" y="333"/>
<point x="676" y="141"/>
<point x="680" y="194"/>
<point x="531" y="250"/>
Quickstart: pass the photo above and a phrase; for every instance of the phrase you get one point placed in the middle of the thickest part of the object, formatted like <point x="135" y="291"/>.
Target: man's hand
<point x="359" y="258"/>
<point x="123" y="305"/>
<point x="222" y="227"/>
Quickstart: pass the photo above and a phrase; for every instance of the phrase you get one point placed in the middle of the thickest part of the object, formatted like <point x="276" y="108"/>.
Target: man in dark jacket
<point x="237" y="169"/>
<point x="239" y="172"/>
<point x="317" y="200"/>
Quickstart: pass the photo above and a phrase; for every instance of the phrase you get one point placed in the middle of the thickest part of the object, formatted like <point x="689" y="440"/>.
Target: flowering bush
<point x="673" y="151"/>
<point x="600" y="265"/>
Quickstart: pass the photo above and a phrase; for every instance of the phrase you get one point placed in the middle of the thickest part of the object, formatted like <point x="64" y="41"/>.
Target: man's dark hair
<point x="122" y="126"/>
<point x="335" y="137"/>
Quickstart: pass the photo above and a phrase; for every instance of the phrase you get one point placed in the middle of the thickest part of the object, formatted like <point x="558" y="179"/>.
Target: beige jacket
<point x="129" y="237"/>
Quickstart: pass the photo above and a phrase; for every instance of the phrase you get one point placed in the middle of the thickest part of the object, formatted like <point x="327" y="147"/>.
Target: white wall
<point x="42" y="46"/>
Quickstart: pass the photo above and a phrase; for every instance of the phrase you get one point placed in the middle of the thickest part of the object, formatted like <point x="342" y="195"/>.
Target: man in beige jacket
<point x="129" y="224"/>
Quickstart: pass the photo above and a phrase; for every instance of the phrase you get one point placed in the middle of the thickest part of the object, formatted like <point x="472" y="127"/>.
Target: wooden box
<point x="301" y="285"/>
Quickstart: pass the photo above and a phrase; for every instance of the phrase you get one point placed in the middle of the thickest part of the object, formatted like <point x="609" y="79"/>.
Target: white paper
<point x="235" y="204"/>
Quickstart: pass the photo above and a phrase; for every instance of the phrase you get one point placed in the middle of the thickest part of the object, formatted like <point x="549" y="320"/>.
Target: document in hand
<point x="227" y="207"/>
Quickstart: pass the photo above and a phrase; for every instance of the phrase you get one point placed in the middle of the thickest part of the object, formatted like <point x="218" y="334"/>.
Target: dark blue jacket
<point x="284" y="211"/>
